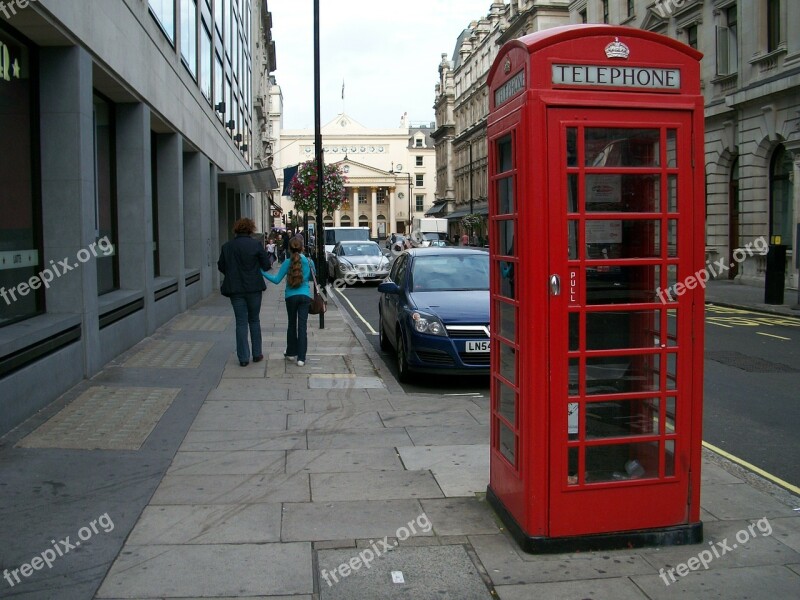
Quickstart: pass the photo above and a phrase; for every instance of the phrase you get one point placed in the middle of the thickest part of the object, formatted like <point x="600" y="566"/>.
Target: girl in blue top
<point x="298" y="297"/>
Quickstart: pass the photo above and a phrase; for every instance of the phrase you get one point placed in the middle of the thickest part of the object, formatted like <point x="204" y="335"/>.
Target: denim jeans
<point x="246" y="308"/>
<point x="296" y="335"/>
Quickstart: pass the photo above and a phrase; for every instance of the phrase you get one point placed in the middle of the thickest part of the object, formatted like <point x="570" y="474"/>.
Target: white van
<point x="334" y="235"/>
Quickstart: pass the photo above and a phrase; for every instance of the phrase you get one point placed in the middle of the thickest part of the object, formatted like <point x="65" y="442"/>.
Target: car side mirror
<point x="388" y="287"/>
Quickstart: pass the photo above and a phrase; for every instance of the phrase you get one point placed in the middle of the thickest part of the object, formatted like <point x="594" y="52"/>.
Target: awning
<point x="248" y="182"/>
<point x="437" y="210"/>
<point x="478" y="210"/>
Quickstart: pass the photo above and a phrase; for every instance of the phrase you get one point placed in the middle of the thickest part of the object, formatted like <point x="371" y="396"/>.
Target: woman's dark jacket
<point x="241" y="261"/>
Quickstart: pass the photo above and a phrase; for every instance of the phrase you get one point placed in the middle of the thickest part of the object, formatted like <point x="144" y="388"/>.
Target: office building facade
<point x="129" y="122"/>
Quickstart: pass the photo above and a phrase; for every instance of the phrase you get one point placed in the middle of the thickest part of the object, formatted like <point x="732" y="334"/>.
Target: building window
<point x="583" y="16"/>
<point x="691" y="36"/>
<point x="21" y="256"/>
<point x="362" y="197"/>
<point x="189" y="35"/>
<point x="728" y="44"/>
<point x="218" y="20"/>
<point x="164" y="12"/>
<point x="420" y="203"/>
<point x="774" y="37"/>
<point x="418" y="143"/>
<point x="206" y="61"/>
<point x="631" y="8"/>
<point x="420" y="180"/>
<point x="105" y="193"/>
<point x="419" y="160"/>
<point x="781" y="197"/>
<point x="605" y="11"/>
<point x="381" y="196"/>
<point x="219" y="84"/>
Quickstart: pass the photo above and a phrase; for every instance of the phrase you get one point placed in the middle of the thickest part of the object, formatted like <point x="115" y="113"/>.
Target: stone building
<point x="391" y="172"/>
<point x="462" y="103"/>
<point x="129" y="125"/>
<point x="751" y="82"/>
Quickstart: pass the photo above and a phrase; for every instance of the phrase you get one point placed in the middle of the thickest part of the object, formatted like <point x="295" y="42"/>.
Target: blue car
<point x="434" y="311"/>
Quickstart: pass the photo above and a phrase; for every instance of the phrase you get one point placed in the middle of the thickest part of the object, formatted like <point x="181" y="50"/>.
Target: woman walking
<point x="297" y="271"/>
<point x="241" y="260"/>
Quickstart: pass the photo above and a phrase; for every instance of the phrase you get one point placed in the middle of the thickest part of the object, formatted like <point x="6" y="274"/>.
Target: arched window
<point x="345" y="220"/>
<point x="781" y="198"/>
<point x="363" y="221"/>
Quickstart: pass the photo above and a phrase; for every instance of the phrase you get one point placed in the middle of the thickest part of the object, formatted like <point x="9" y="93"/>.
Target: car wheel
<point x="403" y="373"/>
<point x="384" y="342"/>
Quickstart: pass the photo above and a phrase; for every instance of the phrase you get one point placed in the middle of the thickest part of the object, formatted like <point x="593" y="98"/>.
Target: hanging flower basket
<point x="471" y="221"/>
<point x="303" y="188"/>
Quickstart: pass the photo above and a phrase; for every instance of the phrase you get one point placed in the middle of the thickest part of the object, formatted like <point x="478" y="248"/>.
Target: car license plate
<point x="478" y="346"/>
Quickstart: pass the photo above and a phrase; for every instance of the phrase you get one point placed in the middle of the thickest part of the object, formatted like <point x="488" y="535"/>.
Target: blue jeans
<point x="296" y="334"/>
<point x="246" y="308"/>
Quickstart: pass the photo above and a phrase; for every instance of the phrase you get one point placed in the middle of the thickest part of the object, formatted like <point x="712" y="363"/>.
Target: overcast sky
<point x="387" y="53"/>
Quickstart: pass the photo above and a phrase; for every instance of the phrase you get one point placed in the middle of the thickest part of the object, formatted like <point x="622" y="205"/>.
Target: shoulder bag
<point x="318" y="303"/>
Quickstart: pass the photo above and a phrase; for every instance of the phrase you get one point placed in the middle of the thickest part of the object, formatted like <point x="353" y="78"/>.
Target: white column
<point x="374" y="216"/>
<point x="337" y="218"/>
<point x="355" y="207"/>
<point x="392" y="220"/>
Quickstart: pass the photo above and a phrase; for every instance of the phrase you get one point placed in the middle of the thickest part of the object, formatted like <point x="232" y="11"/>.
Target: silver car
<point x="357" y="261"/>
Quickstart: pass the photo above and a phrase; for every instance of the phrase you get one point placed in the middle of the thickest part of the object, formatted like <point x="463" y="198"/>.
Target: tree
<point x="303" y="188"/>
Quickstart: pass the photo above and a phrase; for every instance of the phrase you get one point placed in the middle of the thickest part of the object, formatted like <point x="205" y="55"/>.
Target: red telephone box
<point x="596" y="209"/>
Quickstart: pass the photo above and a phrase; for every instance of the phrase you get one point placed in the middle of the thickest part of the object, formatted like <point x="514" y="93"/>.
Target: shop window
<point x="21" y="254"/>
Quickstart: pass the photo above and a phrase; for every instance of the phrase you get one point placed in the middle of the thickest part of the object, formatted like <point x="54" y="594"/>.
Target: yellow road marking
<point x="780" y="337"/>
<point x="784" y="484"/>
<point x="719" y="324"/>
<point x="358" y="314"/>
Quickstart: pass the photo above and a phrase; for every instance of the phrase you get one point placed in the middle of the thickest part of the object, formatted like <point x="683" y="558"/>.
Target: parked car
<point x="434" y="311"/>
<point x="357" y="261"/>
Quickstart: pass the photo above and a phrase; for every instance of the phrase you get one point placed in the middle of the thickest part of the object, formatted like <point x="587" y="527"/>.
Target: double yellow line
<point x="777" y="480"/>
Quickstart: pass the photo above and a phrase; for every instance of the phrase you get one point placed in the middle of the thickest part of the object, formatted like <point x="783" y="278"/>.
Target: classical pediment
<point x="343" y="124"/>
<point x="355" y="171"/>
<point x="653" y="21"/>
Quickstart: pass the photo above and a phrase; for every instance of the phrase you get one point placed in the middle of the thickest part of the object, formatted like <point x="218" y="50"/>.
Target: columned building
<point x="462" y="103"/>
<point x="127" y="128"/>
<point x="391" y="173"/>
<point x="751" y="82"/>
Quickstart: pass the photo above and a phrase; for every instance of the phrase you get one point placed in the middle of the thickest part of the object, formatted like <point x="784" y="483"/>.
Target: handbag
<point x="318" y="303"/>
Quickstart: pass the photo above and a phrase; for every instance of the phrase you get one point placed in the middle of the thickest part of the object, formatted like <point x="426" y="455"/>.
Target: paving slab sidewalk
<point x="329" y="482"/>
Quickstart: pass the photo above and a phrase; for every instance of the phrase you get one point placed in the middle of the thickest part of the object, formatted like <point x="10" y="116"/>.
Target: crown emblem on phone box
<point x="617" y="49"/>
